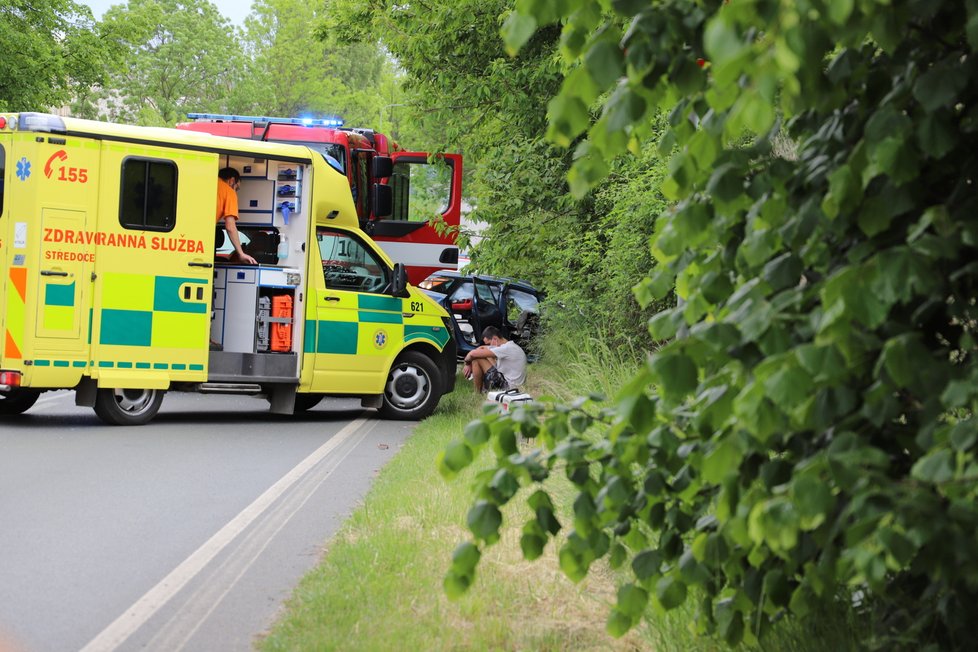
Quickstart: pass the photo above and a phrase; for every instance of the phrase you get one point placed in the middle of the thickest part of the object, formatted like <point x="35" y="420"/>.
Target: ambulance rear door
<point x="67" y="202"/>
<point x="154" y="265"/>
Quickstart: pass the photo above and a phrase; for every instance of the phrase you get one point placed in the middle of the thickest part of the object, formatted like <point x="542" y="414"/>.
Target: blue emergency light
<point x="304" y="122"/>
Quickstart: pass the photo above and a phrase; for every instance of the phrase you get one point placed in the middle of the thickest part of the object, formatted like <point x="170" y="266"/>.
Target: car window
<point x="519" y="303"/>
<point x="465" y="291"/>
<point x="485" y="292"/>
<point x="348" y="264"/>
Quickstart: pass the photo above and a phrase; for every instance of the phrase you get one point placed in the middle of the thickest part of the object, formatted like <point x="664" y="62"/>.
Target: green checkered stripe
<point x="104" y="364"/>
<point x="149" y="311"/>
<point x="341" y="337"/>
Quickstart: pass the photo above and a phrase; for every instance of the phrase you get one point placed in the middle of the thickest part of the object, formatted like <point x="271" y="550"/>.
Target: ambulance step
<point x="229" y="388"/>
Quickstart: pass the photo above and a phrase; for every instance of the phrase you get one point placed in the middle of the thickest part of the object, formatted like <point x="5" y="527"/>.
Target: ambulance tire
<point x="306" y="402"/>
<point x="413" y="388"/>
<point x="127" y="407"/>
<point x="17" y="401"/>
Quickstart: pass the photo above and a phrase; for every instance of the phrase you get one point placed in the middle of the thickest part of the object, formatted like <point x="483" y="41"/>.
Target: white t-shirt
<point x="511" y="362"/>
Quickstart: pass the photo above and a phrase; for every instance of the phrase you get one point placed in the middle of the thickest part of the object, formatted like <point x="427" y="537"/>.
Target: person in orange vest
<point x="229" y="180"/>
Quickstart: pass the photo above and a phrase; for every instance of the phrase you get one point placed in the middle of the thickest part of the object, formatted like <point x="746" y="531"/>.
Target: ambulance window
<point x="348" y="264"/>
<point x="149" y="195"/>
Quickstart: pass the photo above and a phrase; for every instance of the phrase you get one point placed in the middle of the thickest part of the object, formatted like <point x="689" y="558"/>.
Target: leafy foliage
<point x="171" y="56"/>
<point x="462" y="92"/>
<point x="291" y="72"/>
<point x="809" y="429"/>
<point x="49" y="52"/>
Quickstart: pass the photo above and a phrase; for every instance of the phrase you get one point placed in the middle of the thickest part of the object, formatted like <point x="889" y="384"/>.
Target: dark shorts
<point x="494" y="380"/>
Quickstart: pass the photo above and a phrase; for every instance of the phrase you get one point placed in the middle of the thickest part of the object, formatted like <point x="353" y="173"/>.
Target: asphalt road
<point x="184" y="534"/>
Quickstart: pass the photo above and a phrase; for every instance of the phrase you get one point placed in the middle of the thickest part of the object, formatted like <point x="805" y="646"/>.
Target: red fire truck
<point x="396" y="192"/>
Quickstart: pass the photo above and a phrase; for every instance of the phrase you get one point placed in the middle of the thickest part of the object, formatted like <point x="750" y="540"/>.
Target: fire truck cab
<point x="399" y="195"/>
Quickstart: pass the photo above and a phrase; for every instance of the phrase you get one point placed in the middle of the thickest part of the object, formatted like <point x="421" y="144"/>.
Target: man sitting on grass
<point x="499" y="364"/>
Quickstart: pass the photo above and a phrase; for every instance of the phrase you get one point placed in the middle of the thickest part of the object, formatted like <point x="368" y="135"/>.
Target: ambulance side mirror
<point x="399" y="282"/>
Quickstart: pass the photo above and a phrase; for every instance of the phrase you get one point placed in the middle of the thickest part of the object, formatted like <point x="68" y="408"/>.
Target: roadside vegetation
<point x="379" y="585"/>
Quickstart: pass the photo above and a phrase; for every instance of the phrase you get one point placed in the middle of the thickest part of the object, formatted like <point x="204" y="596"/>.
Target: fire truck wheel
<point x="127" y="407"/>
<point x="304" y="402"/>
<point x="17" y="401"/>
<point x="412" y="390"/>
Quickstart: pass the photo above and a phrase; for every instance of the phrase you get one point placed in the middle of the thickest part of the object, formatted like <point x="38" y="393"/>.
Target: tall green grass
<point x="379" y="586"/>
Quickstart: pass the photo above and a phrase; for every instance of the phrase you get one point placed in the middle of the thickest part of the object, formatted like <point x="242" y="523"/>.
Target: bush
<point x="809" y="430"/>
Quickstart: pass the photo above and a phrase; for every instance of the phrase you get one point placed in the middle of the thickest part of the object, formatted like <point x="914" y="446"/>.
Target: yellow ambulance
<point x="115" y="281"/>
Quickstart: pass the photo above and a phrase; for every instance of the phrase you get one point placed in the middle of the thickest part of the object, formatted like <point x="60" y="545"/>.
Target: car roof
<point x="451" y="273"/>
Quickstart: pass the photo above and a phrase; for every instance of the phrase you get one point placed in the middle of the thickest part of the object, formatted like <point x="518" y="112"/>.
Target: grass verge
<point x="379" y="585"/>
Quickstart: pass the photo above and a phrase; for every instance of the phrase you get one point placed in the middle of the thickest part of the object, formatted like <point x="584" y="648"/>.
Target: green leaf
<point x="568" y="117"/>
<point x="898" y="545"/>
<point x="477" y="433"/>
<point x="604" y="62"/>
<point x="453" y="459"/>
<point x="532" y="545"/>
<point x="936" y="468"/>
<point x="572" y="564"/>
<point x="676" y="374"/>
<point x="726" y="183"/>
<point x="504" y="484"/>
<point x="465" y="558"/>
<point x="813" y="500"/>
<point x="964" y="434"/>
<point x="935" y="134"/>
<point x="632" y="600"/>
<point x="671" y="592"/>
<point x="940" y="86"/>
<point x="484" y="520"/>
<point x="456" y="585"/>
<point x="958" y="393"/>
<point x="517" y="30"/>
<point x="619" y="623"/>
<point x="721" y="40"/>
<point x="783" y="272"/>
<point x="840" y="10"/>
<point x="723" y="459"/>
<point x="646" y="564"/>
<point x="902" y="357"/>
<point x="730" y="623"/>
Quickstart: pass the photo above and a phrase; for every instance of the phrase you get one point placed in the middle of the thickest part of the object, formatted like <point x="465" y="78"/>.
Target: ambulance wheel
<point x="413" y="388"/>
<point x="17" y="401"/>
<point x="304" y="402"/>
<point x="127" y="407"/>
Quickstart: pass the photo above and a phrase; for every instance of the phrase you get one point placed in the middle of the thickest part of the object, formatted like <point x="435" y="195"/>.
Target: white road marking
<point x="198" y="607"/>
<point x="143" y="609"/>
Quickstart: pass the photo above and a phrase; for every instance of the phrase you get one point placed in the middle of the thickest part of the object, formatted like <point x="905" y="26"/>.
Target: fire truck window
<point x="334" y="154"/>
<point x="148" y="200"/>
<point x="421" y="190"/>
<point x="361" y="185"/>
<point x="348" y="265"/>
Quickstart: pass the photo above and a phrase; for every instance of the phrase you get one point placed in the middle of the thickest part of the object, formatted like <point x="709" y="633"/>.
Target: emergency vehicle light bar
<point x="36" y="122"/>
<point x="304" y="122"/>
